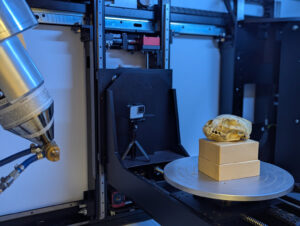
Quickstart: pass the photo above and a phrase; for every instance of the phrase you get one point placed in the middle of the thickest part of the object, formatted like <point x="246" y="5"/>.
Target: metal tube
<point x="15" y="17"/>
<point x="18" y="74"/>
<point x="26" y="108"/>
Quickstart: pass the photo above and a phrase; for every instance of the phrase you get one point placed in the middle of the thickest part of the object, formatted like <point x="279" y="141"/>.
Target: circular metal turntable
<point x="272" y="182"/>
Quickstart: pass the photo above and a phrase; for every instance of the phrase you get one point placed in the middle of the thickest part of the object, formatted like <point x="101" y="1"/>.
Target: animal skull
<point x="228" y="128"/>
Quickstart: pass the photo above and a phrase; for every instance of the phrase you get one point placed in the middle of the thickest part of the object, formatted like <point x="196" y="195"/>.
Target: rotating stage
<point x="273" y="182"/>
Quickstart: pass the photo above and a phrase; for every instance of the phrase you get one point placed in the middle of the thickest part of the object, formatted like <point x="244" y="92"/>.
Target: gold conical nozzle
<point x="52" y="151"/>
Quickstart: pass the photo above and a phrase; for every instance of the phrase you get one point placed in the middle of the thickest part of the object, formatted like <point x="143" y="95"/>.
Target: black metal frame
<point x="179" y="202"/>
<point x="271" y="72"/>
<point x="164" y="203"/>
<point x="145" y="193"/>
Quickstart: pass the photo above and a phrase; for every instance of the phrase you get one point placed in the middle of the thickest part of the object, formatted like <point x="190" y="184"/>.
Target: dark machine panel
<point x="266" y="55"/>
<point x="138" y="87"/>
<point x="136" y="178"/>
<point x="256" y="61"/>
<point x="287" y="154"/>
<point x="158" y="130"/>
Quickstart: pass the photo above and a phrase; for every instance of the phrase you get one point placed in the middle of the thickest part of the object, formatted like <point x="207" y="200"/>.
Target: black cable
<point x="15" y="156"/>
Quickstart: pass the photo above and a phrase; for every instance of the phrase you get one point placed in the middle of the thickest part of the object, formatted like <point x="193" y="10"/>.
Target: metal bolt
<point x="266" y="122"/>
<point x="237" y="89"/>
<point x="114" y="77"/>
<point x="238" y="57"/>
<point x="83" y="211"/>
<point x="297" y="121"/>
<point x="295" y="27"/>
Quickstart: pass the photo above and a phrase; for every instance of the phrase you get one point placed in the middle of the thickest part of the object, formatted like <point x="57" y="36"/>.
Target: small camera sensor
<point x="136" y="111"/>
<point x="141" y="109"/>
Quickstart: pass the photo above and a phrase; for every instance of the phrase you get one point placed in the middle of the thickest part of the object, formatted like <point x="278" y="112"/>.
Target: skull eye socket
<point x="209" y="122"/>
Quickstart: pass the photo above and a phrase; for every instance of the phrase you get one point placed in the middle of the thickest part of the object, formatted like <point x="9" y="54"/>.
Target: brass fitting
<point x="52" y="151"/>
<point x="35" y="149"/>
<point x="40" y="155"/>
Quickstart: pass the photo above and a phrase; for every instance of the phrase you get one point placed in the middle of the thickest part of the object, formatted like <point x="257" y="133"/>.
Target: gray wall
<point x="196" y="67"/>
<point x="290" y="8"/>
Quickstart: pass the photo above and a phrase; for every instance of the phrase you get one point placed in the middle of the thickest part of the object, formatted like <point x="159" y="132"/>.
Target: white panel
<point x="121" y="58"/>
<point x="196" y="65"/>
<point x="59" y="55"/>
<point x="249" y="102"/>
<point x="254" y="10"/>
<point x="290" y="8"/>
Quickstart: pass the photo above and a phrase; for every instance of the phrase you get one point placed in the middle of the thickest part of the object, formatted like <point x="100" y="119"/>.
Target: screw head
<point x="295" y="27"/>
<point x="297" y="121"/>
<point x="238" y="57"/>
<point x="114" y="77"/>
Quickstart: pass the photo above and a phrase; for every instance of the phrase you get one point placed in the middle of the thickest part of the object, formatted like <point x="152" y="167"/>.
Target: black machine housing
<point x="138" y="178"/>
<point x="266" y="54"/>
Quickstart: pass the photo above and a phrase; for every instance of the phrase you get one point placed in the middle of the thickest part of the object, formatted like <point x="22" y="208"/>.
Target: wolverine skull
<point x="228" y="128"/>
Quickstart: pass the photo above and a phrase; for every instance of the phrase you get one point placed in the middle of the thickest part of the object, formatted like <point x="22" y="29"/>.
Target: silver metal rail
<point x="38" y="211"/>
<point x="126" y="24"/>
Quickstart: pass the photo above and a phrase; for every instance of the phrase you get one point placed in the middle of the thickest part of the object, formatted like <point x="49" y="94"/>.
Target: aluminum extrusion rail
<point x="134" y="25"/>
